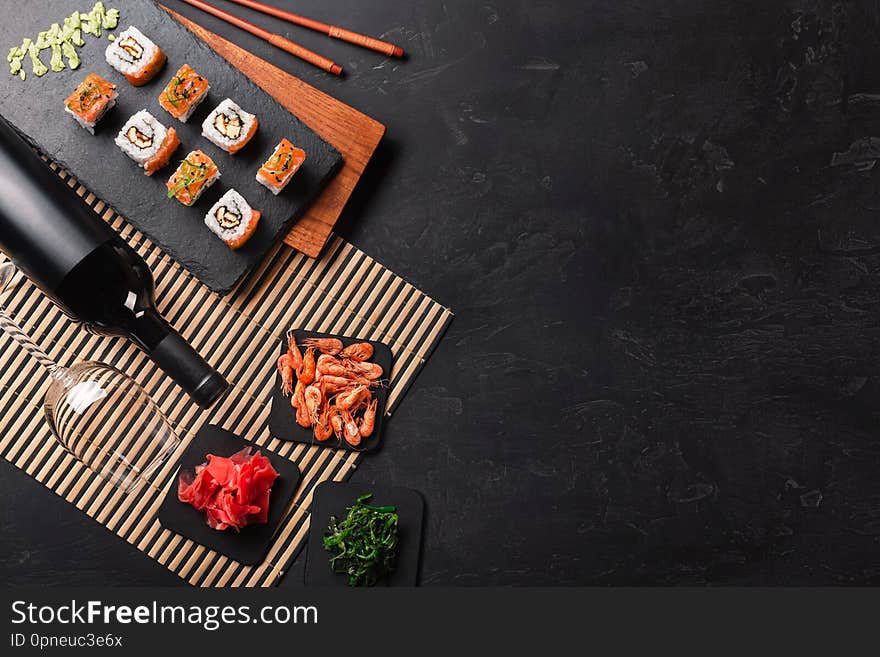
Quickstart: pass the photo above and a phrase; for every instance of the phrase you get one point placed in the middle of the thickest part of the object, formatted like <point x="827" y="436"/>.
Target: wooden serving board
<point x="354" y="134"/>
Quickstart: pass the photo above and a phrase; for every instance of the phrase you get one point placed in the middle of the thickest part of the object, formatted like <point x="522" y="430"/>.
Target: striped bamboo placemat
<point x="345" y="291"/>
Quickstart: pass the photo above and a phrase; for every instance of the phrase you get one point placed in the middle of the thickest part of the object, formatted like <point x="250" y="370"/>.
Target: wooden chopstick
<point x="276" y="40"/>
<point x="330" y="30"/>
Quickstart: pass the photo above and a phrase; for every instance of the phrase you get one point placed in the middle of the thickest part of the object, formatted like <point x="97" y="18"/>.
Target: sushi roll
<point x="186" y="90"/>
<point x="194" y="175"/>
<point x="229" y="126"/>
<point x="147" y="142"/>
<point x="135" y="56"/>
<point x="91" y="100"/>
<point x="277" y="171"/>
<point x="232" y="219"/>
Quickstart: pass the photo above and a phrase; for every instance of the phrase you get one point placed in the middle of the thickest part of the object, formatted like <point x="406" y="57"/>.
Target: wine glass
<point x="98" y="414"/>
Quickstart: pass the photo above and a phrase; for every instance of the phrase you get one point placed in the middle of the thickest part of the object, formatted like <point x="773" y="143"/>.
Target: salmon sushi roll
<point x="146" y="141"/>
<point x="277" y="171"/>
<point x="135" y="56"/>
<point x="91" y="100"/>
<point x="232" y="219"/>
<point x="195" y="174"/>
<point x="229" y="126"/>
<point x="186" y="90"/>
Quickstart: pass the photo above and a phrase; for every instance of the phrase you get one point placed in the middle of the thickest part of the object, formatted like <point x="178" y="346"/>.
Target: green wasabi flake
<point x="111" y="19"/>
<point x="111" y="37"/>
<point x="57" y="61"/>
<point x="52" y="39"/>
<point x="15" y="66"/>
<point x="72" y="30"/>
<point x="14" y="58"/>
<point x="39" y="67"/>
<point x="63" y="40"/>
<point x="72" y="55"/>
<point x="94" y="19"/>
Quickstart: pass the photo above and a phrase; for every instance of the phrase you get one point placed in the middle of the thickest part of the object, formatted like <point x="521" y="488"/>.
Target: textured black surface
<point x="648" y="380"/>
<point x="35" y="106"/>
<point x="333" y="498"/>
<point x="250" y="545"/>
<point x="282" y="418"/>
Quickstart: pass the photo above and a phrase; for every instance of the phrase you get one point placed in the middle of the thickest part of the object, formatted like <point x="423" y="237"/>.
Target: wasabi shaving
<point x="62" y="40"/>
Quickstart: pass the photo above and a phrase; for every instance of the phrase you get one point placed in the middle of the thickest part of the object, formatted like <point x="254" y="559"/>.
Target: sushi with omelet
<point x="146" y="141"/>
<point x="135" y="56"/>
<point x="232" y="219"/>
<point x="196" y="173"/>
<point x="229" y="126"/>
<point x="91" y="100"/>
<point x="184" y="92"/>
<point x="277" y="171"/>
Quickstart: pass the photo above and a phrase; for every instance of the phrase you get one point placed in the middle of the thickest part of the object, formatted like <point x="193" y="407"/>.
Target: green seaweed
<point x="364" y="544"/>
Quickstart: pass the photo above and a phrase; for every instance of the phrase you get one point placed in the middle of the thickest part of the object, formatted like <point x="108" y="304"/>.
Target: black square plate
<point x="333" y="498"/>
<point x="35" y="107"/>
<point x="282" y="416"/>
<point x="250" y="545"/>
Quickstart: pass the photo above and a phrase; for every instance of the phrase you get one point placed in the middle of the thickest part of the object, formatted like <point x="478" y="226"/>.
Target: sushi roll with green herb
<point x="278" y="170"/>
<point x="196" y="173"/>
<point x="91" y="100"/>
<point x="184" y="92"/>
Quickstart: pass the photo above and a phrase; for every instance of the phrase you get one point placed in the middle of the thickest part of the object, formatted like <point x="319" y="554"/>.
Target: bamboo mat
<point x="345" y="291"/>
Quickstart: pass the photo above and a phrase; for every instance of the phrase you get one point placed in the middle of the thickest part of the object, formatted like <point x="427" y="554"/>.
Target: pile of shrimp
<point x="333" y="389"/>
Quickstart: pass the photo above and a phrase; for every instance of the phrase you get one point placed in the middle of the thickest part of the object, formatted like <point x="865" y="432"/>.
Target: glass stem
<point x="8" y="324"/>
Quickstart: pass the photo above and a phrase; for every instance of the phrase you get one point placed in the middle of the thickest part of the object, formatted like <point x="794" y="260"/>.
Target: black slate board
<point x="250" y="545"/>
<point x="35" y="108"/>
<point x="282" y="416"/>
<point x="333" y="498"/>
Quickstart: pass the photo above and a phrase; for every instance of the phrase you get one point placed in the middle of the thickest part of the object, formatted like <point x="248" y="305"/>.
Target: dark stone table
<point x="659" y="227"/>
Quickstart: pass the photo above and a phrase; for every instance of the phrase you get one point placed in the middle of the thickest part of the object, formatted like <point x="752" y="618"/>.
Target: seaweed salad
<point x="364" y="544"/>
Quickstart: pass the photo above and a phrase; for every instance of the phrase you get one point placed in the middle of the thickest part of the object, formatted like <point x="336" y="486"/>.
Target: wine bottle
<point x="91" y="273"/>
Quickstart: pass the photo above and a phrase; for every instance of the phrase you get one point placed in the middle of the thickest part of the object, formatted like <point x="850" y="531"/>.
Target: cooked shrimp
<point x="328" y="364"/>
<point x="368" y="421"/>
<point x="306" y="373"/>
<point x="333" y="384"/>
<point x="371" y="371"/>
<point x="350" y="431"/>
<point x="298" y="401"/>
<point x="285" y="369"/>
<point x="323" y="430"/>
<point x="313" y="398"/>
<point x="336" y="421"/>
<point x="288" y="363"/>
<point x="294" y="351"/>
<point x="359" y="351"/>
<point x="353" y="398"/>
<point x="325" y="345"/>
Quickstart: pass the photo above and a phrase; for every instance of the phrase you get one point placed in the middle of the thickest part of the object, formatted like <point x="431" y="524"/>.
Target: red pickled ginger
<point x="232" y="491"/>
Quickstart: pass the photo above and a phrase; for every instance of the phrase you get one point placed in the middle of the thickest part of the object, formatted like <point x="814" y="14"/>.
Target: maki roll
<point x="91" y="100"/>
<point x="277" y="171"/>
<point x="147" y="142"/>
<point x="186" y="90"/>
<point x="232" y="219"/>
<point x="194" y="175"/>
<point x="135" y="56"/>
<point x="229" y="126"/>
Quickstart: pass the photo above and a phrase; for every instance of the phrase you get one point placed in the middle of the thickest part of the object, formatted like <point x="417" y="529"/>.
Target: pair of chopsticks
<point x="287" y="45"/>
